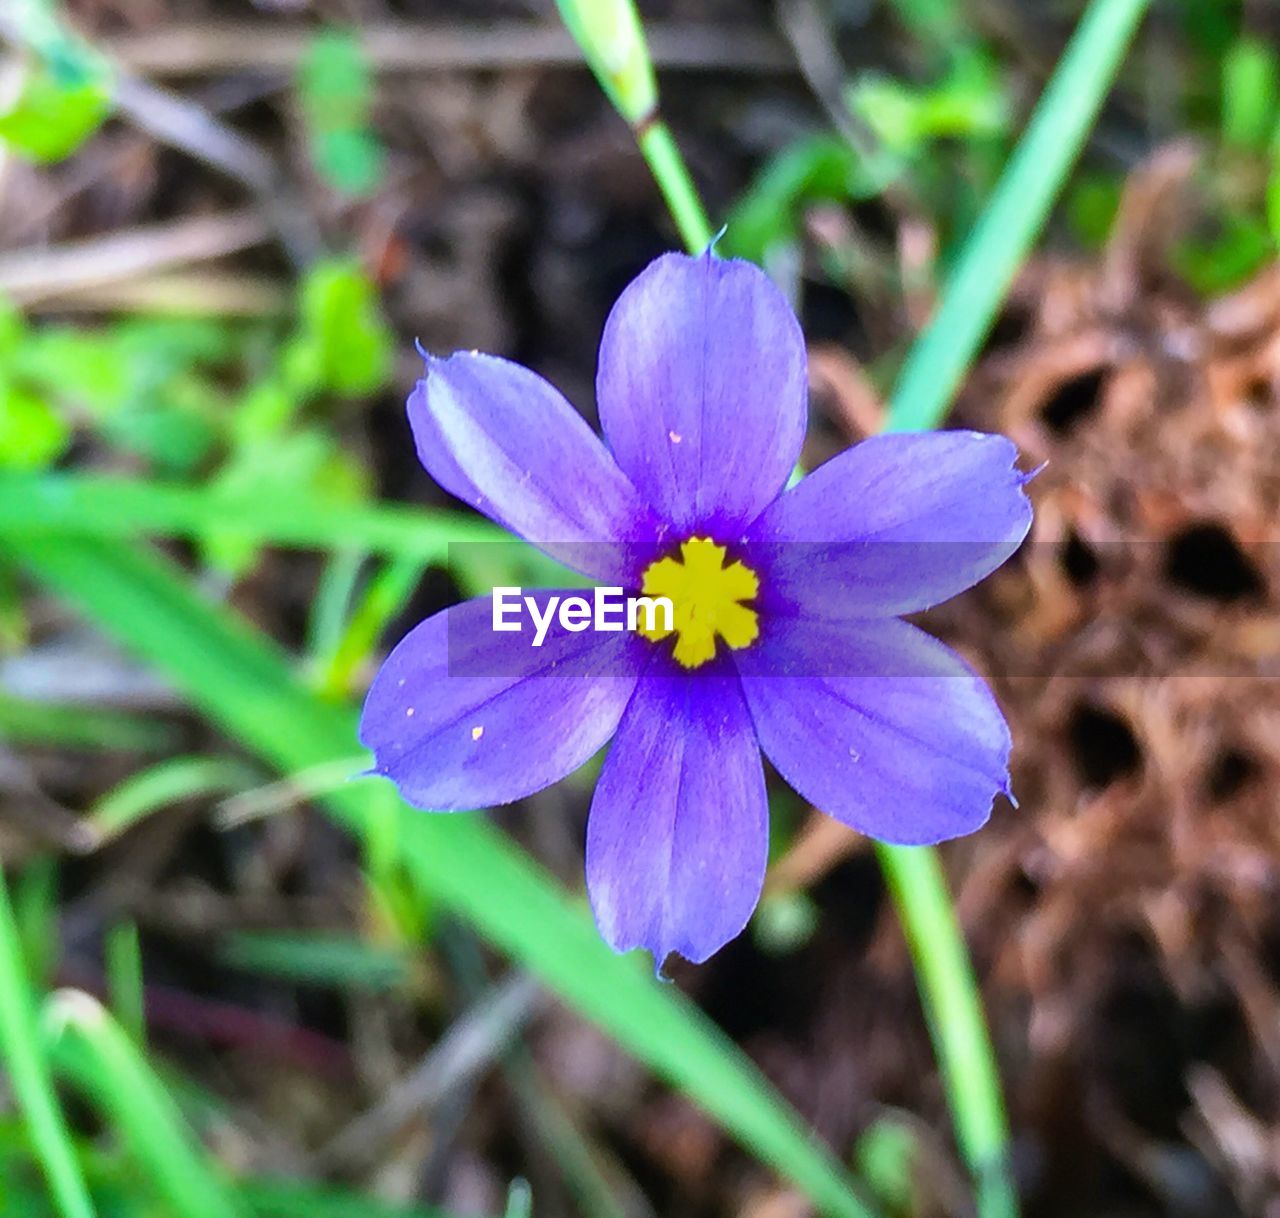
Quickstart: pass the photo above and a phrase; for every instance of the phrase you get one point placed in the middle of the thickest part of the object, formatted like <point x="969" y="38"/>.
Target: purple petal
<point x="502" y="439"/>
<point x="894" y="525"/>
<point x="462" y="717"/>
<point x="879" y="725"/>
<point x="701" y="389"/>
<point x="678" y="835"/>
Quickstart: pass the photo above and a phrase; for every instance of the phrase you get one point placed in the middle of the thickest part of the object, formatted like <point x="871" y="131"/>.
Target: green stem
<point x="124" y="980"/>
<point x="672" y="175"/>
<point x="953" y="1007"/>
<point x="30" y="1076"/>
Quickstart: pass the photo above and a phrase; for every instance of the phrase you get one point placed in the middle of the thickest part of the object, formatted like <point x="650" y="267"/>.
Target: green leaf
<point x="70" y="725"/>
<point x="342" y="316"/>
<point x="135" y="382"/>
<point x="941" y="22"/>
<point x="1273" y="188"/>
<point x="309" y="463"/>
<point x="106" y="506"/>
<point x="817" y="169"/>
<point x="1092" y="207"/>
<point x="1242" y="247"/>
<point x="53" y="110"/>
<point x="32" y="434"/>
<point x="290" y="1199"/>
<point x="29" y="1076"/>
<point x="244" y="685"/>
<point x="353" y="161"/>
<point x="887" y="1158"/>
<point x="1250" y="94"/>
<point x="335" y="89"/>
<point x="968" y="104"/>
<point x="328" y="960"/>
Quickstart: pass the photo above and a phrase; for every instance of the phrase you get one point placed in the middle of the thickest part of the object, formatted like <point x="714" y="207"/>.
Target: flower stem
<point x="953" y="1007"/>
<point x="672" y="175"/>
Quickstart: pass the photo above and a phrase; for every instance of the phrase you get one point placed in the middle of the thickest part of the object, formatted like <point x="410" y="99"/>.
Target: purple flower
<point x="785" y="635"/>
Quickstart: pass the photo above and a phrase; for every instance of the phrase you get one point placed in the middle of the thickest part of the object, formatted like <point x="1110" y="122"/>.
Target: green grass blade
<point x="244" y="685"/>
<point x="27" y="721"/>
<point x="387" y="594"/>
<point x="166" y="783"/>
<point x="331" y="604"/>
<point x="519" y="1200"/>
<point x="123" y="958"/>
<point x="107" y="506"/>
<point x="29" y="1075"/>
<point x="90" y="1049"/>
<point x="1015" y="215"/>
<point x="286" y="1199"/>
<point x="35" y="910"/>
<point x="317" y="960"/>
<point x="937" y="363"/>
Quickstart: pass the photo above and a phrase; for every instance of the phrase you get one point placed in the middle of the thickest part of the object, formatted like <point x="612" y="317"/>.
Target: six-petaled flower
<point x="786" y="636"/>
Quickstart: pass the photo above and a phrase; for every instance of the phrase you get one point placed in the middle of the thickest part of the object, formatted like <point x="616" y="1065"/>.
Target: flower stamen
<point x="705" y="599"/>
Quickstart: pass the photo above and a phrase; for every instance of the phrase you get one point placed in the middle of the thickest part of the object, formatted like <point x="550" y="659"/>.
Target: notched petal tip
<point x="677" y="838"/>
<point x="710" y="251"/>
<point x="500" y="438"/>
<point x="894" y="734"/>
<point x="1026" y="476"/>
<point x="708" y="350"/>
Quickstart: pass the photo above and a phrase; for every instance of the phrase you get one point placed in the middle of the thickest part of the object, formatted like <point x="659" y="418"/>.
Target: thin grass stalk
<point x="96" y="1054"/>
<point x="30" y="1077"/>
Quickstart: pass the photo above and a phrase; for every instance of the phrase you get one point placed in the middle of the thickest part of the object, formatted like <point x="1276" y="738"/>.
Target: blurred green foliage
<point x="941" y="137"/>
<point x="335" y="93"/>
<point x="50" y="117"/>
<point x="54" y="97"/>
<point x="244" y="408"/>
<point x="887" y="1158"/>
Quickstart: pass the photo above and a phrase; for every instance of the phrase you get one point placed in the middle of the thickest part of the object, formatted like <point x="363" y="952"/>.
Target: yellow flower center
<point x="705" y="600"/>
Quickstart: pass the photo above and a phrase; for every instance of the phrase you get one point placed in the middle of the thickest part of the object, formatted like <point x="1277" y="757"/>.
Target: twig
<point x="474" y="1041"/>
<point x="209" y="47"/>
<point x="813" y="43"/>
<point x="200" y="294"/>
<point x="181" y="124"/>
<point x="39" y="273"/>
